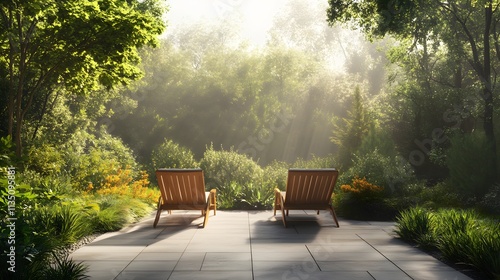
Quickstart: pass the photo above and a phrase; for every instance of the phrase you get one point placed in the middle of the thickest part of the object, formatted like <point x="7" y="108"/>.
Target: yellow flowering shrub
<point x="123" y="184"/>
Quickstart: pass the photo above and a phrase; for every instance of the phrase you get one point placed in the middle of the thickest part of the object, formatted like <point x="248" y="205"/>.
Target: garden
<point x="53" y="215"/>
<point x="97" y="95"/>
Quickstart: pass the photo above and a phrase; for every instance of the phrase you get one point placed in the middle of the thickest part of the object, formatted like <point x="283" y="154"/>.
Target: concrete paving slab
<point x="141" y="275"/>
<point x="255" y="245"/>
<point x="211" y="275"/>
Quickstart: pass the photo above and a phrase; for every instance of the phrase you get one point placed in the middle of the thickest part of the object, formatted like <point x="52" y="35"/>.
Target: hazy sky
<point x="255" y="16"/>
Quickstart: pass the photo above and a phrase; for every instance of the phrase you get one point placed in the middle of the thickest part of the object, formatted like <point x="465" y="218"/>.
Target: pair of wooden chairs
<point x="307" y="189"/>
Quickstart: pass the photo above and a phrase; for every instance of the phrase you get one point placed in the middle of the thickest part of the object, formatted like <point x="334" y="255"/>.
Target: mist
<point x="274" y="95"/>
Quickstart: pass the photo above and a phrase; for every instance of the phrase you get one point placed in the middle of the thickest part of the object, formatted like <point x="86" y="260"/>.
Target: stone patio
<point x="241" y="245"/>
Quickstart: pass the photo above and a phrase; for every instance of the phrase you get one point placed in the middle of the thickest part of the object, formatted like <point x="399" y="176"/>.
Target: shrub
<point x="361" y="189"/>
<point x="123" y="185"/>
<point x="258" y="196"/>
<point x="362" y="200"/>
<point x="238" y="179"/>
<point x="172" y="155"/>
<point x="316" y="162"/>
<point x="45" y="159"/>
<point x="470" y="163"/>
<point x="438" y="196"/>
<point x="65" y="269"/>
<point x="228" y="171"/>
<point x="93" y="160"/>
<point x="415" y="224"/>
<point x="42" y="227"/>
<point x="452" y="230"/>
<point x="491" y="201"/>
<point x="7" y="153"/>
<point x="115" y="212"/>
<point x="484" y="249"/>
<point x="391" y="173"/>
<point x="62" y="223"/>
<point x="229" y="196"/>
<point x="461" y="236"/>
<point x="275" y="175"/>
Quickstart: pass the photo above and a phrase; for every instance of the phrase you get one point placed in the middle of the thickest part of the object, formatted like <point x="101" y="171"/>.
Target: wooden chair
<point x="307" y="189"/>
<point x="184" y="189"/>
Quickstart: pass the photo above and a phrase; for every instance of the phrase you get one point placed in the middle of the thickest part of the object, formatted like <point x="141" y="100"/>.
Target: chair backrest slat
<point x="310" y="186"/>
<point x="181" y="186"/>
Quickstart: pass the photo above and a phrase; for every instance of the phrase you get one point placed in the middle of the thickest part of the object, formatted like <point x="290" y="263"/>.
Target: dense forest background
<point x="206" y="86"/>
<point x="307" y="90"/>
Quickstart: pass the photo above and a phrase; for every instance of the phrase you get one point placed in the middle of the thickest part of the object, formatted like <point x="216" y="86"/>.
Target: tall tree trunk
<point x="488" y="87"/>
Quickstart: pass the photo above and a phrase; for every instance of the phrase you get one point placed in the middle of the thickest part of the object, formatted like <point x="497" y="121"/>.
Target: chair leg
<point x="207" y="213"/>
<point x="334" y="216"/>
<point x="158" y="213"/>
<point x="283" y="212"/>
<point x="277" y="201"/>
<point x="214" y="201"/>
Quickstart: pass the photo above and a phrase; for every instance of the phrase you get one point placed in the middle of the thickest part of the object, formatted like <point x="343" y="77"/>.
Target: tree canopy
<point x="48" y="47"/>
<point x="466" y="30"/>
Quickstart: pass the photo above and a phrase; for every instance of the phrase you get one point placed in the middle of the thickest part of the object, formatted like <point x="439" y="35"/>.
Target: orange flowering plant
<point x="362" y="189"/>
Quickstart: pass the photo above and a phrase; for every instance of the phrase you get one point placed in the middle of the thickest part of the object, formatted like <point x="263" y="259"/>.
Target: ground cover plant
<point x="460" y="236"/>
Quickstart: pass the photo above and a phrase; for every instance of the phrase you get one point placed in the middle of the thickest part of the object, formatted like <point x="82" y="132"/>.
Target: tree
<point x="464" y="27"/>
<point x="350" y="134"/>
<point x="78" y="46"/>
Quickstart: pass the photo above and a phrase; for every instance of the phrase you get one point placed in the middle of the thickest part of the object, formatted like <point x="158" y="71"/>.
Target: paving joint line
<point x="384" y="256"/>
<point x="250" y="240"/>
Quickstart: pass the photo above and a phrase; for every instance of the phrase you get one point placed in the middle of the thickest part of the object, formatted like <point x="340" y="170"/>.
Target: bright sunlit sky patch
<point x="255" y="16"/>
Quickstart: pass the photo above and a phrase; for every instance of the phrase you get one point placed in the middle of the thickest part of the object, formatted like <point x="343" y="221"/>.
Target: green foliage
<point x="7" y="153"/>
<point x="51" y="217"/>
<point x="437" y="196"/>
<point x="258" y="196"/>
<point x="90" y="160"/>
<point x="240" y="182"/>
<point x="223" y="167"/>
<point x="362" y="200"/>
<point x="415" y="224"/>
<point x="65" y="269"/>
<point x="349" y="135"/>
<point x="377" y="139"/>
<point x="452" y="231"/>
<point x="84" y="158"/>
<point x="316" y="162"/>
<point x="172" y="155"/>
<point x="470" y="162"/>
<point x="61" y="225"/>
<point x="491" y="201"/>
<point x="82" y="54"/>
<point x="115" y="212"/>
<point x="45" y="159"/>
<point x="45" y="223"/>
<point x="275" y="175"/>
<point x="460" y="235"/>
<point x="381" y="17"/>
<point x="392" y="173"/>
